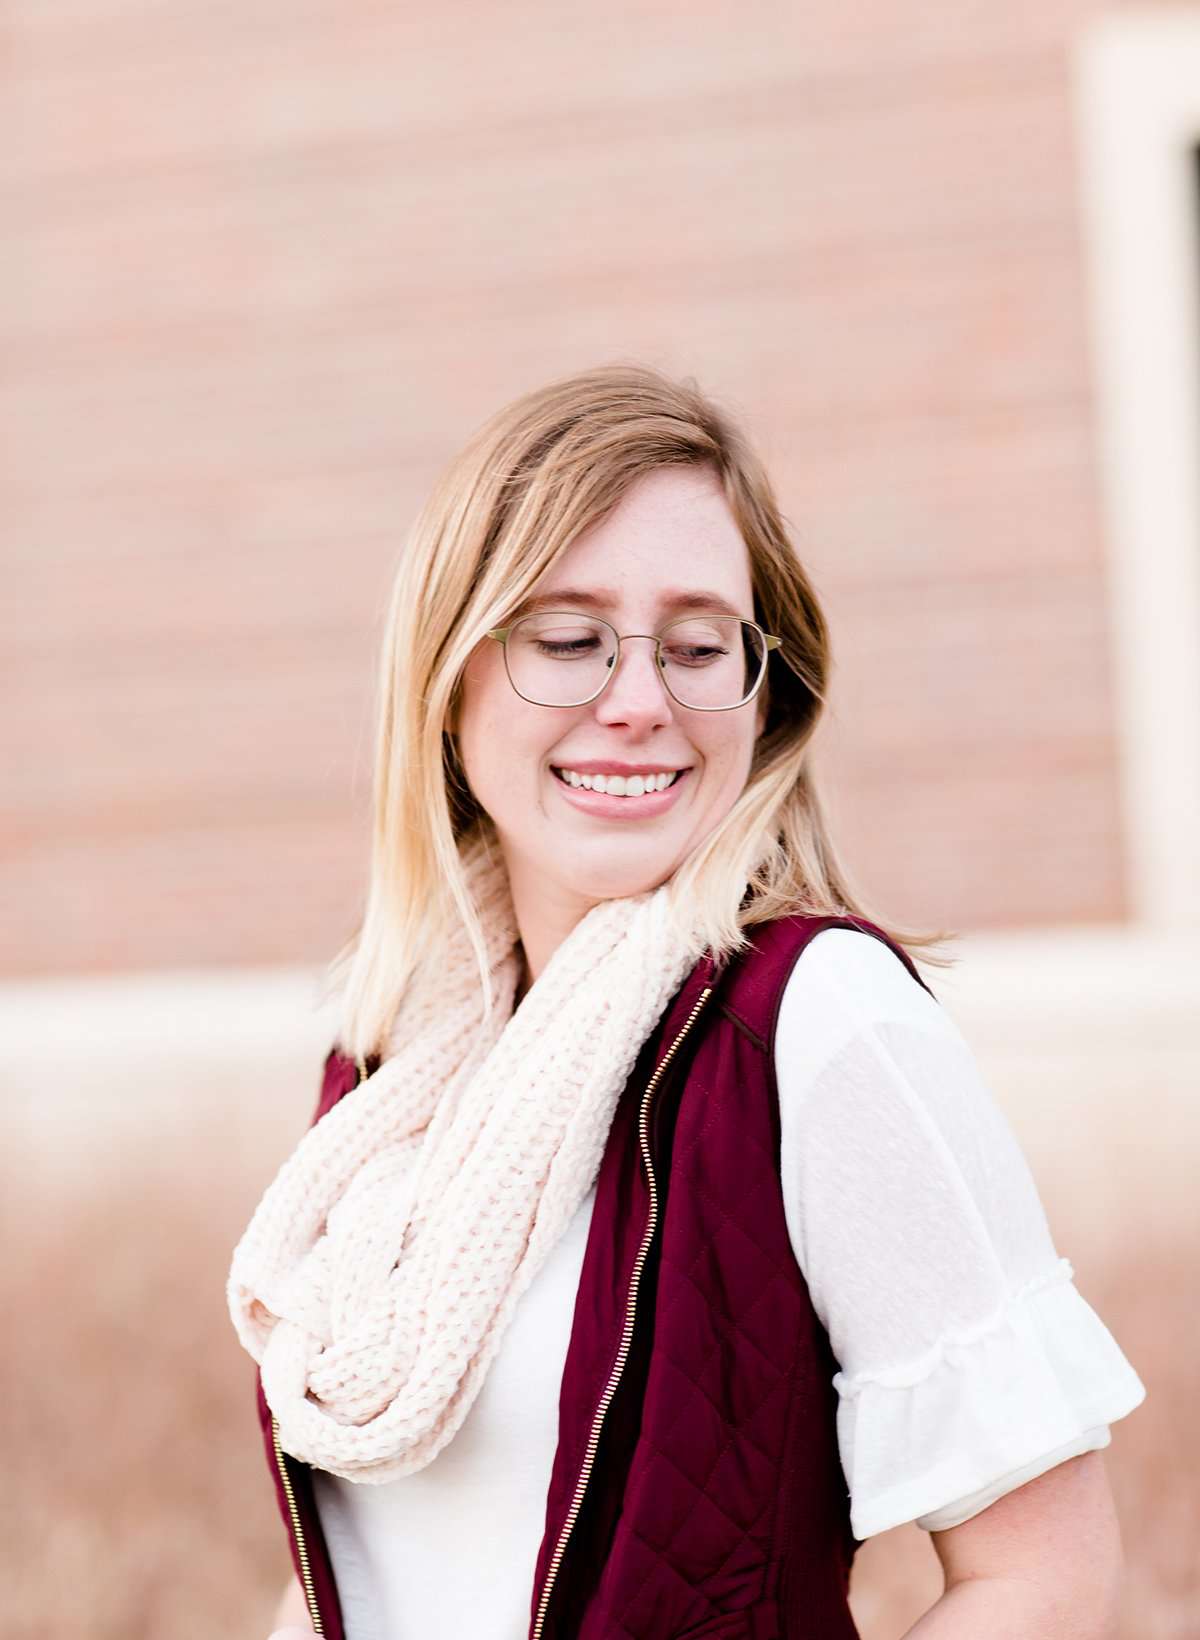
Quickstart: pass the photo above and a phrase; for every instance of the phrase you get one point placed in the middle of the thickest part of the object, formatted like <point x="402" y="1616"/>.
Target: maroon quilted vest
<point x="696" y="1491"/>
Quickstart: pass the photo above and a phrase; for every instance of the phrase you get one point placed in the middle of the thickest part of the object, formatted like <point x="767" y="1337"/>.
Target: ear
<point x="761" y="708"/>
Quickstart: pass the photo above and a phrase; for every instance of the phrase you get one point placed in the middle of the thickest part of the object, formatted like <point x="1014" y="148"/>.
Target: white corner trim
<point x="1137" y="108"/>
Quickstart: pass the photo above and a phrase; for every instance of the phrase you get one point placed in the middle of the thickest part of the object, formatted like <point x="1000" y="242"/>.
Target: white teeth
<point x="617" y="785"/>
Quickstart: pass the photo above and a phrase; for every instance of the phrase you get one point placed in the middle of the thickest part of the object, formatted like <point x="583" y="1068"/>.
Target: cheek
<point x="486" y="712"/>
<point x="505" y="744"/>
<point x="727" y="759"/>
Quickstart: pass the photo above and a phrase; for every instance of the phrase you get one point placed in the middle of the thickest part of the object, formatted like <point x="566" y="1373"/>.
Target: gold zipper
<point x="310" y="1593"/>
<point x="627" y="1332"/>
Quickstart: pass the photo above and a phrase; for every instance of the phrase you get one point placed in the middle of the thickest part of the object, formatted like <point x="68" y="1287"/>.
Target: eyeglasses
<point x="709" y="663"/>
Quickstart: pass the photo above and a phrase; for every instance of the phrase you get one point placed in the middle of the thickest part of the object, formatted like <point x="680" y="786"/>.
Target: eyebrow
<point x="598" y="598"/>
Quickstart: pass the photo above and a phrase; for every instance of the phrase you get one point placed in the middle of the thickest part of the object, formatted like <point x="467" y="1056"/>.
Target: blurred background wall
<point x="265" y="267"/>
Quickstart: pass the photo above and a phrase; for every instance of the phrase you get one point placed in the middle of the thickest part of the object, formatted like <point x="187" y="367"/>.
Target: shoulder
<point x="799" y="955"/>
<point x="844" y="982"/>
<point x="863" y="969"/>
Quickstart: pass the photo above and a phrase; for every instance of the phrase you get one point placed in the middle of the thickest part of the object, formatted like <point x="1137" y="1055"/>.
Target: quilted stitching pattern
<point x="712" y="1465"/>
<point x="728" y="1511"/>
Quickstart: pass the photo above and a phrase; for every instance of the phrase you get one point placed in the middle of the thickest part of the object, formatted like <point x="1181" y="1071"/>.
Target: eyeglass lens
<point x="710" y="661"/>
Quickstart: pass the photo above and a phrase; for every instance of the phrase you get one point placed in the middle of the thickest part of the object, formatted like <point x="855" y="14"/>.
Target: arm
<point x="1043" y="1562"/>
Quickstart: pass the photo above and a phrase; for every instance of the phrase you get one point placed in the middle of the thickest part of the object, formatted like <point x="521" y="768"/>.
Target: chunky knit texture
<point x="376" y="1278"/>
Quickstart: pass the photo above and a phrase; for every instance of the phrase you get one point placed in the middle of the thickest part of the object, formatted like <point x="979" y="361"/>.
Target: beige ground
<point x="137" y="1503"/>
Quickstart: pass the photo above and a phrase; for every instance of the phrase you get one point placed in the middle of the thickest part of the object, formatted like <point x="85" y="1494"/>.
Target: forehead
<point x="605" y="600"/>
<point x="670" y="545"/>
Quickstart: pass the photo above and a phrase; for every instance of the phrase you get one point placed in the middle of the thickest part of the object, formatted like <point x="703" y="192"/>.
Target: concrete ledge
<point x="1087" y="1037"/>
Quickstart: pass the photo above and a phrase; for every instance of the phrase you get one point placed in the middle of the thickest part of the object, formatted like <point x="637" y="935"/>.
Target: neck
<point x="544" y="918"/>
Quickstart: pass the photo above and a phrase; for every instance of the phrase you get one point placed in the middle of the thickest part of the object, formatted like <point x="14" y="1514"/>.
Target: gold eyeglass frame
<point x="770" y="641"/>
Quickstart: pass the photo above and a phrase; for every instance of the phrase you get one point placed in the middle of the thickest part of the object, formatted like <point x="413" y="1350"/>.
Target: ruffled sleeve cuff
<point x="935" y="1439"/>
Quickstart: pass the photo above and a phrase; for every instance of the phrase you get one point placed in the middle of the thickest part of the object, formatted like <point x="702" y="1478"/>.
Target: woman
<point x="655" y="1240"/>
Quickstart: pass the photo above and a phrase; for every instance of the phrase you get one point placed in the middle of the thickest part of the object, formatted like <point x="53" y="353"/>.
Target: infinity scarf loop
<point x="377" y="1276"/>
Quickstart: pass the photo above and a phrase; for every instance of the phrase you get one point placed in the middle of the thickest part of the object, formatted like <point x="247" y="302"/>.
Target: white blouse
<point x="968" y="1360"/>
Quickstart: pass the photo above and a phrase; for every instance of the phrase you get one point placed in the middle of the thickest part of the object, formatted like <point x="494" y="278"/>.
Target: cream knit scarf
<point x="378" y="1274"/>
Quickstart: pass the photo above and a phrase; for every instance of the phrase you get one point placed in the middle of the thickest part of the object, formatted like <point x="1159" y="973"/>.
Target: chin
<point x="612" y="880"/>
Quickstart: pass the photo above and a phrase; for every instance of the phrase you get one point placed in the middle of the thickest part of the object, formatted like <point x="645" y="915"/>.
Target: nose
<point x="636" y="694"/>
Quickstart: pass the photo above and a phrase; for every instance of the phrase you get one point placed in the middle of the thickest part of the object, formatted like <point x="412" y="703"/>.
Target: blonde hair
<point x="534" y="477"/>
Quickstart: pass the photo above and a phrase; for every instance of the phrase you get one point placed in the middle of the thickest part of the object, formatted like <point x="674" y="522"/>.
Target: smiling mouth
<point x="616" y="785"/>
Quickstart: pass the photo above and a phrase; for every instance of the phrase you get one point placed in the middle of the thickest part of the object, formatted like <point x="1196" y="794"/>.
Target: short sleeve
<point x="968" y="1360"/>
